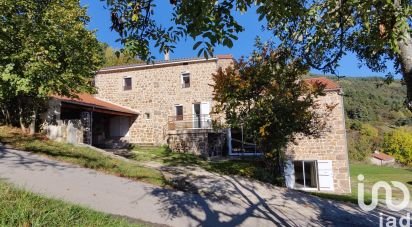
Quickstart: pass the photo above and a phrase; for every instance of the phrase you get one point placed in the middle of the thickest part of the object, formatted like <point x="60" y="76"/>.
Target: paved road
<point x="239" y="203"/>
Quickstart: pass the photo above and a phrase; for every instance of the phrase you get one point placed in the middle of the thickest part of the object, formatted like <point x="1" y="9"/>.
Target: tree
<point x="266" y="96"/>
<point x="399" y="144"/>
<point x="45" y="49"/>
<point x="320" y="32"/>
<point x="113" y="57"/>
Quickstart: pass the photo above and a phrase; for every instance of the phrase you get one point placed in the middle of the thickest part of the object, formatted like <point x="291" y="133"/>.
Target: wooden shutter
<point x="325" y="174"/>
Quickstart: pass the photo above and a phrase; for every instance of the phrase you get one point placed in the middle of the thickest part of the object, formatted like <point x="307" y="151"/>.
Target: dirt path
<point x="221" y="201"/>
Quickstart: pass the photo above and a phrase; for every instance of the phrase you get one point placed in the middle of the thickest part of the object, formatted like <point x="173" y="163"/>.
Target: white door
<point x="325" y="174"/>
<point x="205" y="115"/>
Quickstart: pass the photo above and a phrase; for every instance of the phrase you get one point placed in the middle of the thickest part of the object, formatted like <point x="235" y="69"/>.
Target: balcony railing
<point x="196" y="121"/>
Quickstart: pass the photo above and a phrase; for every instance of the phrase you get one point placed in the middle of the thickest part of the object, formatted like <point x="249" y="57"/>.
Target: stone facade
<point x="331" y="145"/>
<point x="156" y="90"/>
<point x="203" y="142"/>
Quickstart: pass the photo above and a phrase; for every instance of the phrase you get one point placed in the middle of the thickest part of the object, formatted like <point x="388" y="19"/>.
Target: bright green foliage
<point x="266" y="96"/>
<point x="113" y="57"/>
<point x="45" y="49"/>
<point x="22" y="208"/>
<point x="399" y="144"/>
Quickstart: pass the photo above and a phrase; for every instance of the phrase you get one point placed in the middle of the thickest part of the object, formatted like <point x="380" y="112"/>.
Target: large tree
<point x="319" y="31"/>
<point x="266" y="97"/>
<point x="45" y="49"/>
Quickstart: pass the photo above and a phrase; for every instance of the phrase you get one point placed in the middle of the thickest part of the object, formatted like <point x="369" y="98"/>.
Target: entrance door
<point x="196" y="115"/>
<point x="205" y="115"/>
<point x="201" y="115"/>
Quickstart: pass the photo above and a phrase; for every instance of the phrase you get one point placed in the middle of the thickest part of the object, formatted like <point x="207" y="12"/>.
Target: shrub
<point x="399" y="144"/>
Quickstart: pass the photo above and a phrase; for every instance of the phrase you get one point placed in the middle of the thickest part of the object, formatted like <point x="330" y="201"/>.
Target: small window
<point x="127" y="83"/>
<point x="147" y="116"/>
<point x="179" y="113"/>
<point x="185" y="80"/>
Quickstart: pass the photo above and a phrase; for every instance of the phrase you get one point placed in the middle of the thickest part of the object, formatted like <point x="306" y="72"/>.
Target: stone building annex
<point x="170" y="102"/>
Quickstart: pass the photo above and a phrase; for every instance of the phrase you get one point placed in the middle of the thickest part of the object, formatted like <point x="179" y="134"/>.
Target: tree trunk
<point x="32" y="127"/>
<point x="21" y="117"/>
<point x="405" y="55"/>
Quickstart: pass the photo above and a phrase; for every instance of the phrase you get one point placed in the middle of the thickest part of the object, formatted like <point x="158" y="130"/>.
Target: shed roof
<point x="382" y="156"/>
<point x="89" y="100"/>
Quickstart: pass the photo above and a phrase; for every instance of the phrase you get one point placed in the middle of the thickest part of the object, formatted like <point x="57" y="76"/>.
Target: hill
<point x="375" y="113"/>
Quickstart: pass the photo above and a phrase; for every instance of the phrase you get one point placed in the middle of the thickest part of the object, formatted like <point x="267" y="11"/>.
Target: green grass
<point x="21" y="208"/>
<point x="250" y="167"/>
<point x="82" y="156"/>
<point x="374" y="174"/>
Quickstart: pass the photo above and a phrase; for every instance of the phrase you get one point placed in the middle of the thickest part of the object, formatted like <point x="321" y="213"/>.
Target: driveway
<point x="228" y="201"/>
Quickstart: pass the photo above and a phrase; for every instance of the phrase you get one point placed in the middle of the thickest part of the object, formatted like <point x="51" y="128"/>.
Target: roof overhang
<point x="90" y="103"/>
<point x="155" y="64"/>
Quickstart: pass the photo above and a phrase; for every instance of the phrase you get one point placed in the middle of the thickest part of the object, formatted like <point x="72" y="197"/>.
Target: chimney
<point x="167" y="58"/>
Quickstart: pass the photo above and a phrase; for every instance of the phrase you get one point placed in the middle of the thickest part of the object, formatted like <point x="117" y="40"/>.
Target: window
<point x="305" y="174"/>
<point x="147" y="116"/>
<point x="127" y="83"/>
<point x="185" y="80"/>
<point x="179" y="113"/>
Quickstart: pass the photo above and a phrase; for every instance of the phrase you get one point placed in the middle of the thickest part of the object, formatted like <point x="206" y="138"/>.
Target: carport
<point x="104" y="124"/>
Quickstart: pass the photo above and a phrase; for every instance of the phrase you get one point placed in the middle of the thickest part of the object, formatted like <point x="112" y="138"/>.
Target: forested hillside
<point x="376" y="118"/>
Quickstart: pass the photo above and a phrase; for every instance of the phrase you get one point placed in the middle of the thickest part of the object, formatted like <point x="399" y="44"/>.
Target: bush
<point x="399" y="144"/>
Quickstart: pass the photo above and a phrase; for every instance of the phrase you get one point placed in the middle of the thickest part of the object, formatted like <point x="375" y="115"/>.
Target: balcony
<point x="196" y="121"/>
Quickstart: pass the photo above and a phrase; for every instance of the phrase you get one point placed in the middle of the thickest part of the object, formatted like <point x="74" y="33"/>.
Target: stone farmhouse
<point x="170" y="102"/>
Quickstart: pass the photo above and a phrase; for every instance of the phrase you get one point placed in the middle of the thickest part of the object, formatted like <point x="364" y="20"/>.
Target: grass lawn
<point x="82" y="156"/>
<point x="248" y="167"/>
<point x="21" y="208"/>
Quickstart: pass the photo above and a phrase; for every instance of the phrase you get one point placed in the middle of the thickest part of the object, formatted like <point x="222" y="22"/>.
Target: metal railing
<point x="196" y="121"/>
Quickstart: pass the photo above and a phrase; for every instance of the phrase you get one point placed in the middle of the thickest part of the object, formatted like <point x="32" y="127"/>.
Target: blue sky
<point x="100" y="21"/>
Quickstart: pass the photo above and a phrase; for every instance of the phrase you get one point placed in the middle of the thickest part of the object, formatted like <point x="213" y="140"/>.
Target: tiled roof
<point x="329" y="84"/>
<point x="91" y="101"/>
<point x="224" y="56"/>
<point x="382" y="156"/>
<point x="158" y="62"/>
<point x="162" y="62"/>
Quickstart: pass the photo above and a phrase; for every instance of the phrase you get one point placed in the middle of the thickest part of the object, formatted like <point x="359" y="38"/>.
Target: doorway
<point x="201" y="115"/>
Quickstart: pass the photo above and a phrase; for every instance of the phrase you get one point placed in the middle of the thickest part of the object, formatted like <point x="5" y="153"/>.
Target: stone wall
<point x="69" y="131"/>
<point x="156" y="89"/>
<point x="331" y="145"/>
<point x="203" y="142"/>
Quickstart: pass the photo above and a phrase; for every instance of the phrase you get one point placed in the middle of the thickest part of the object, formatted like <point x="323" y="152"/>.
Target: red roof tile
<point x="224" y="56"/>
<point x="329" y="84"/>
<point x="382" y="156"/>
<point x="91" y="101"/>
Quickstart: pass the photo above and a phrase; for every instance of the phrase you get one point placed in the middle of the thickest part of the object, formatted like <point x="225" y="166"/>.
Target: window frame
<point x="125" y="87"/>
<point x="178" y="117"/>
<point x="182" y="80"/>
